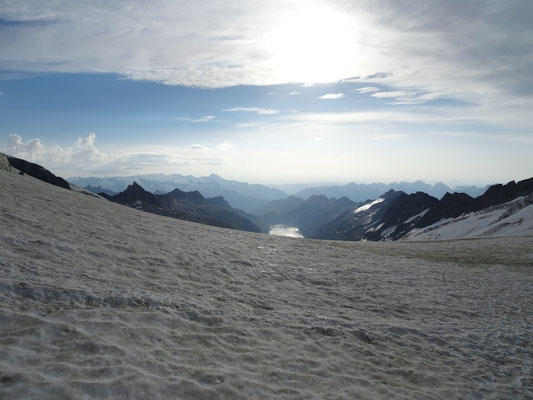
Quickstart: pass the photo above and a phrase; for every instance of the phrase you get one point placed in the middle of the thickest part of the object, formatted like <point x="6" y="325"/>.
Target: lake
<point x="284" y="230"/>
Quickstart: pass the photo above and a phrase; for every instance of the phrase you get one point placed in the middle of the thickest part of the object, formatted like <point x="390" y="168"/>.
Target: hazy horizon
<point x="300" y="183"/>
<point x="271" y="92"/>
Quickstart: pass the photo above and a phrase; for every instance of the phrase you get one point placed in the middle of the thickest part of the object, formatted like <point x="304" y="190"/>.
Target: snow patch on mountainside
<point x="510" y="219"/>
<point x="417" y="216"/>
<point x="367" y="206"/>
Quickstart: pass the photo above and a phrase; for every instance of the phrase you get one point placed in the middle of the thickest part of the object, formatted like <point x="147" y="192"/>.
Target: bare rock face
<point x="4" y="163"/>
<point x="37" y="171"/>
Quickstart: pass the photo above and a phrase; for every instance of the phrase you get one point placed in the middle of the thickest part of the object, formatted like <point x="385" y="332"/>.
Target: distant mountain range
<point x="365" y="191"/>
<point x="240" y="195"/>
<point x="501" y="209"/>
<point x="250" y="197"/>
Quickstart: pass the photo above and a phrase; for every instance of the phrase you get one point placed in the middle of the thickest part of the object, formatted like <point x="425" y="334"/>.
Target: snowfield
<point x="514" y="218"/>
<point x="101" y="301"/>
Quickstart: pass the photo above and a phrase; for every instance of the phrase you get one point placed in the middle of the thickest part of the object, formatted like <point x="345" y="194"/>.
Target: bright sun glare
<point x="313" y="43"/>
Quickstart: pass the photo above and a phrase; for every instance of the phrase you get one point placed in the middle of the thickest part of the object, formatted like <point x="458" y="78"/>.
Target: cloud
<point x="367" y="89"/>
<point x="387" y="95"/>
<point x="295" y="93"/>
<point x="84" y="158"/>
<point x="196" y="147"/>
<point x="225" y="145"/>
<point x="474" y="51"/>
<point x="271" y="94"/>
<point x="331" y="96"/>
<point x="364" y="117"/>
<point x="405" y="97"/>
<point x="205" y="118"/>
<point x="83" y="150"/>
<point x="257" y="110"/>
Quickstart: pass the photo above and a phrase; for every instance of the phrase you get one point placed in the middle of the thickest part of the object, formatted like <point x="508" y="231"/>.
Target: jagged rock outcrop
<point x="190" y="206"/>
<point x="38" y="172"/>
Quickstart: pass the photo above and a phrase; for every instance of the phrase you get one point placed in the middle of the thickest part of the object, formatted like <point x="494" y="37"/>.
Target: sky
<point x="271" y="91"/>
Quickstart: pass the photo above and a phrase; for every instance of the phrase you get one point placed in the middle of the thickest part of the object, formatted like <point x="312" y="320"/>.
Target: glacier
<point x="102" y="301"/>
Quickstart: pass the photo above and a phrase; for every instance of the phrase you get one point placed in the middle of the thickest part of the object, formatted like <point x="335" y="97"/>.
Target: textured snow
<point x="4" y="163"/>
<point x="510" y="219"/>
<point x="367" y="206"/>
<point x="101" y="301"/>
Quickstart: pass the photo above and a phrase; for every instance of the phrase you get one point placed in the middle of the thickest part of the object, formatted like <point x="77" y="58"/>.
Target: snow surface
<point x="510" y="219"/>
<point x="101" y="301"/>
<point x="417" y="216"/>
<point x="389" y="231"/>
<point x="367" y="206"/>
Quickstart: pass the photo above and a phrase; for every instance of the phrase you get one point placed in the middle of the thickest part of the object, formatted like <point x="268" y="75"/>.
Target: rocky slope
<point x="513" y="218"/>
<point x="190" y="206"/>
<point x="395" y="214"/>
<point x="37" y="171"/>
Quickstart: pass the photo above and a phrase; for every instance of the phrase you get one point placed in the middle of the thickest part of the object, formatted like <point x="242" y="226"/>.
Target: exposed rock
<point x="190" y="206"/>
<point x="38" y="172"/>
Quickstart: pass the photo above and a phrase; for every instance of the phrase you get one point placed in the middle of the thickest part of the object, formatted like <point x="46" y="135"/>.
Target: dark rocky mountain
<point x="98" y="189"/>
<point x="456" y="204"/>
<point x="395" y="214"/>
<point x="309" y="215"/>
<point x="190" y="206"/>
<point x="361" y="191"/>
<point x="499" y="194"/>
<point x="366" y="222"/>
<point x="276" y="208"/>
<point x="38" y="172"/>
<point x="238" y="194"/>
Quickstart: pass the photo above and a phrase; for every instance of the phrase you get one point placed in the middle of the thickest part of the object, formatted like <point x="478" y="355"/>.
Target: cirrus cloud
<point x="257" y="110"/>
<point x="331" y="96"/>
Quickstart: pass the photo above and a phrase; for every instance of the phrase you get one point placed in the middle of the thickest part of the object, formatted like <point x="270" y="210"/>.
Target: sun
<point x="313" y="43"/>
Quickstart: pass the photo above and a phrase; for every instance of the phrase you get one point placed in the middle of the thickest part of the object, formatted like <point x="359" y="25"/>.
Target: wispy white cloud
<point x="257" y="110"/>
<point x="196" y="147"/>
<point x="331" y="96"/>
<point x="391" y="94"/>
<point x="367" y="89"/>
<point x="84" y="158"/>
<point x="362" y="117"/>
<point x="205" y="118"/>
<point x="295" y="93"/>
<point x="418" y="46"/>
